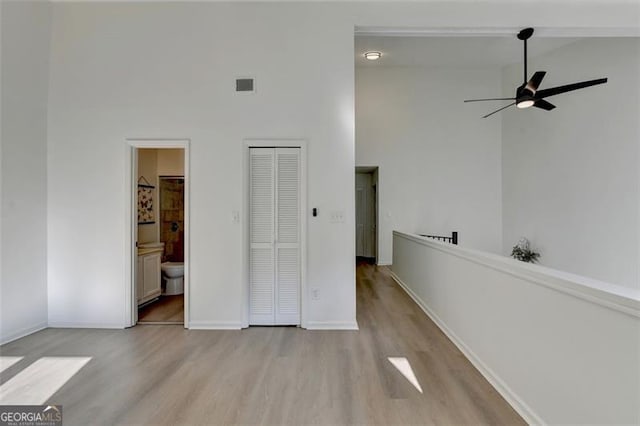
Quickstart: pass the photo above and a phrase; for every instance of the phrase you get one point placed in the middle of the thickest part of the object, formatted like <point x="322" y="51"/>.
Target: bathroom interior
<point x="160" y="236"/>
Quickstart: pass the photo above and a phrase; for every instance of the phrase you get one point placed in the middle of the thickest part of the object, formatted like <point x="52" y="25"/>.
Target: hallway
<point x="273" y="375"/>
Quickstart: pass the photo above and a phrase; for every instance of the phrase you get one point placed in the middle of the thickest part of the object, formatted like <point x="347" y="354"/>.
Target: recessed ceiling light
<point x="372" y="56"/>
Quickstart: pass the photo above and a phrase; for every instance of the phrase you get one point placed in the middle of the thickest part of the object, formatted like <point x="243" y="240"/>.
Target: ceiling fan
<point x="528" y="94"/>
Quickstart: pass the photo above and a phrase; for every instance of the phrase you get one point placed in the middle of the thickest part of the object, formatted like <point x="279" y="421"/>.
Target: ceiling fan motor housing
<point x="524" y="91"/>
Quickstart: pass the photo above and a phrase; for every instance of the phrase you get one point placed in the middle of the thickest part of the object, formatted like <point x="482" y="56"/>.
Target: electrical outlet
<point x="337" y="216"/>
<point x="315" y="294"/>
<point x="235" y="216"/>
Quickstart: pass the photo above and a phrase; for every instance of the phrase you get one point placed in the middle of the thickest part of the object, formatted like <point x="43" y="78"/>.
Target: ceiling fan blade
<point x="498" y="110"/>
<point x="542" y="104"/>
<point x="535" y="81"/>
<point x="545" y="93"/>
<point x="490" y="99"/>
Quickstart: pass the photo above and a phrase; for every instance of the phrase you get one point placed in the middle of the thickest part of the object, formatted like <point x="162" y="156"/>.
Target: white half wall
<point x="25" y="28"/>
<point x="562" y="349"/>
<point x="571" y="176"/>
<point x="439" y="162"/>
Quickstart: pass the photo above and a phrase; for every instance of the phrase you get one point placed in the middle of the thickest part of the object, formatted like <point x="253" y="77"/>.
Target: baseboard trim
<point x="215" y="325"/>
<point x="499" y="385"/>
<point x="73" y="324"/>
<point x="384" y="263"/>
<point x="23" y="332"/>
<point x="332" y="325"/>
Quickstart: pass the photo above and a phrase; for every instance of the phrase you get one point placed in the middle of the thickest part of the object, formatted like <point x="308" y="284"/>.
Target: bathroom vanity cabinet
<point x="148" y="281"/>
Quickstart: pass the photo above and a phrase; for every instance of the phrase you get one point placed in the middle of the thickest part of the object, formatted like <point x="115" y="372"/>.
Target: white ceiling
<point x="461" y="52"/>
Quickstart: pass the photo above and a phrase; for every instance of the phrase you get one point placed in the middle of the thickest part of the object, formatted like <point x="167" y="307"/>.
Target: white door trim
<point x="131" y="181"/>
<point x="274" y="143"/>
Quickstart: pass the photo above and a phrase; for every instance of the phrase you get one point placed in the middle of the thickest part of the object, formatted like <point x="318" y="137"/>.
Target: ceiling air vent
<point x="246" y="85"/>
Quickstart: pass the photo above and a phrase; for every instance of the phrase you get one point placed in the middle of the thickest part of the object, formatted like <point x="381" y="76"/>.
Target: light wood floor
<point x="169" y="375"/>
<point x="165" y="309"/>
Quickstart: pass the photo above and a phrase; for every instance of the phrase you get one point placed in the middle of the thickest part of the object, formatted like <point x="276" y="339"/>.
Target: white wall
<point x="561" y="349"/>
<point x="25" y="56"/>
<point x="439" y="162"/>
<point x="166" y="70"/>
<point x="571" y="176"/>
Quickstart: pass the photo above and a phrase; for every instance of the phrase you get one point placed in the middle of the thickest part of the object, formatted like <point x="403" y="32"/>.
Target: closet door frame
<point x="274" y="143"/>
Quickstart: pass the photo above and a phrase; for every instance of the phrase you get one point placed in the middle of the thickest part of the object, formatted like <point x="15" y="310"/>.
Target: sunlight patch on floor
<point x="8" y="361"/>
<point x="38" y="382"/>
<point x="404" y="367"/>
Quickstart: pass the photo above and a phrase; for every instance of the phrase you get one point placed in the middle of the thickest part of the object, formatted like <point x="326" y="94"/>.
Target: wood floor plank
<point x="166" y="375"/>
<point x="165" y="309"/>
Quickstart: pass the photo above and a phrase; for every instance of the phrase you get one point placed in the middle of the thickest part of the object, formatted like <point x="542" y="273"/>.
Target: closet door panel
<point x="262" y="193"/>
<point x="262" y="235"/>
<point x="262" y="286"/>
<point x="288" y="279"/>
<point x="288" y="236"/>
<point x="288" y="195"/>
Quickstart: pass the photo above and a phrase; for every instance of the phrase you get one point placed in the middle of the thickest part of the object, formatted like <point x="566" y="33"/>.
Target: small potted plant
<point x="522" y="251"/>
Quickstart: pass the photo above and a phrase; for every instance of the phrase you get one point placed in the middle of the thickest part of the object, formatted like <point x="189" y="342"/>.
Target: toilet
<point x="172" y="278"/>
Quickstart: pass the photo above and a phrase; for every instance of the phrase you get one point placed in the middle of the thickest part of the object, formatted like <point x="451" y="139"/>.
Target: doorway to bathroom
<point x="167" y="307"/>
<point x="159" y="286"/>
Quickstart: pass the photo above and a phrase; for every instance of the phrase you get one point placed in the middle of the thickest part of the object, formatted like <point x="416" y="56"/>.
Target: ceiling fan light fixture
<point x="372" y="56"/>
<point x="525" y="104"/>
<point x="528" y="95"/>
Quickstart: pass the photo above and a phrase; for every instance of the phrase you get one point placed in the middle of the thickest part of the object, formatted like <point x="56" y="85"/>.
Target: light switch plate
<point x="337" y="216"/>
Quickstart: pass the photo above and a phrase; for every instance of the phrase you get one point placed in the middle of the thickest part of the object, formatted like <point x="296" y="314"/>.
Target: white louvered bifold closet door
<point x="274" y="258"/>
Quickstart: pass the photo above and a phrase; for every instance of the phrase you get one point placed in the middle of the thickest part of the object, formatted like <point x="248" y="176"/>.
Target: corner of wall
<point x="24" y="62"/>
